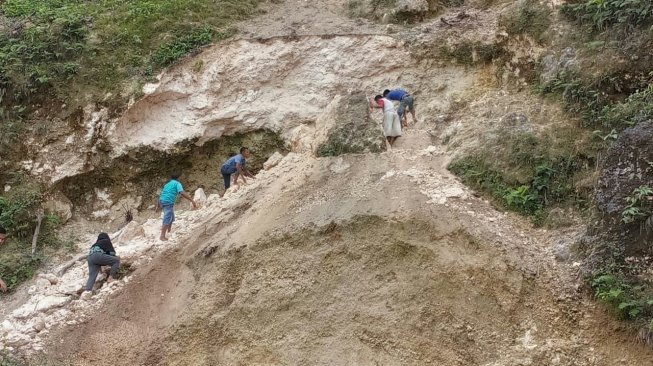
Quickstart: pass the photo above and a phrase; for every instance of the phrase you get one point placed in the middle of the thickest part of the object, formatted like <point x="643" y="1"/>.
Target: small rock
<point x="50" y="277"/>
<point x="38" y="325"/>
<point x="42" y="283"/>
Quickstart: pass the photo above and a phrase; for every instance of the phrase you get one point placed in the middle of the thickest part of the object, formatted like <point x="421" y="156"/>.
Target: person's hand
<point x="158" y="207"/>
<point x="3" y="286"/>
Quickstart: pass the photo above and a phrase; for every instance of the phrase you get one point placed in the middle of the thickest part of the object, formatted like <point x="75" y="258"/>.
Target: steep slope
<point x="359" y="259"/>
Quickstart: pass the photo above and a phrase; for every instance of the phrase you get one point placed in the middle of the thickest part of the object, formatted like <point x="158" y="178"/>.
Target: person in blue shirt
<point x="236" y="165"/>
<point x="167" y="203"/>
<point x="406" y="103"/>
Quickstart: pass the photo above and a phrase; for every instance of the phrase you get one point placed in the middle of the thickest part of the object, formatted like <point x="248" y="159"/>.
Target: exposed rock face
<point x="61" y="206"/>
<point x="627" y="166"/>
<point x="553" y="64"/>
<point x="347" y="127"/>
<point x="412" y="7"/>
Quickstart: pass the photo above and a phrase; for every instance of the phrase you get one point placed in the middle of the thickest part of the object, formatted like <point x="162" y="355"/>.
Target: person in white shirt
<point x="391" y="120"/>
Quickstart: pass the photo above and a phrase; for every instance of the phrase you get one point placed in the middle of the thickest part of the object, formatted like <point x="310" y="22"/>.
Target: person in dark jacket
<point x="101" y="254"/>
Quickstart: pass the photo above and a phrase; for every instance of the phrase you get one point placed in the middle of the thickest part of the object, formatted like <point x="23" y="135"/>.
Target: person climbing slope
<point x="391" y="122"/>
<point x="3" y="237"/>
<point x="167" y="203"/>
<point x="101" y="254"/>
<point x="236" y="165"/>
<point x="406" y="103"/>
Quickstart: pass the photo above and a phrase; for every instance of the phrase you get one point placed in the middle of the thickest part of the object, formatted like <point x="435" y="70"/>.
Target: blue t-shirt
<point x="170" y="192"/>
<point x="396" y="94"/>
<point x="229" y="167"/>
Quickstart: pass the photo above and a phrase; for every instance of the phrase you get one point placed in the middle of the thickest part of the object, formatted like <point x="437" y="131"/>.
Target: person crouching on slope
<point x="167" y="203"/>
<point x="101" y="254"/>
<point x="236" y="165"/>
<point x="391" y="122"/>
<point x="406" y="104"/>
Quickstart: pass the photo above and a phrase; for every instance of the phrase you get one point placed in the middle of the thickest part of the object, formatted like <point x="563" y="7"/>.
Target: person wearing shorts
<point x="167" y="203"/>
<point x="406" y="103"/>
<point x="391" y="121"/>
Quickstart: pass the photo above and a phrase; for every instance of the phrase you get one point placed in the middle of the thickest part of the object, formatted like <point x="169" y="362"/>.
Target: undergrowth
<point x="531" y="179"/>
<point x="604" y="14"/>
<point x="18" y="212"/>
<point x="614" y="93"/>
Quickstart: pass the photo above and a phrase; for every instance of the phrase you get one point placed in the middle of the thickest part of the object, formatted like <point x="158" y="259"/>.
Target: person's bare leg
<point x="169" y="228"/>
<point x="164" y="229"/>
<point x="412" y="113"/>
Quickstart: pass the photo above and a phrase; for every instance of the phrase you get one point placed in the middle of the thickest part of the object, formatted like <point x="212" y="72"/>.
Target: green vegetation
<point x="18" y="209"/>
<point x="100" y="44"/>
<point x="603" y="14"/>
<point x="533" y="177"/>
<point x="637" y="205"/>
<point x="628" y="300"/>
<point x="531" y="17"/>
<point x="73" y="52"/>
<point x="611" y="91"/>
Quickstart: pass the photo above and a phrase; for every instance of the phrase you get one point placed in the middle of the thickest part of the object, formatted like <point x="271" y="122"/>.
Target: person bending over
<point x="236" y="165"/>
<point x="101" y="254"/>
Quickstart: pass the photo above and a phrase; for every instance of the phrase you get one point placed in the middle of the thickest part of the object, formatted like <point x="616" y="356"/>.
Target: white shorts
<point x="391" y="124"/>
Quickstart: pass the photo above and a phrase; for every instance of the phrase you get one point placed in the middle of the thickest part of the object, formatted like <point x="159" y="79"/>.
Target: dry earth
<point x="368" y="259"/>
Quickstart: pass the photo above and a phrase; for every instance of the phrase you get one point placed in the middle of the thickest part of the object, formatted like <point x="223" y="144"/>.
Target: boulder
<point x="627" y="165"/>
<point x="51" y="302"/>
<point x="130" y="232"/>
<point x="300" y="139"/>
<point x="413" y="7"/>
<point x="50" y="277"/>
<point x="553" y="64"/>
<point x="199" y="196"/>
<point x="273" y="161"/>
<point x="346" y="126"/>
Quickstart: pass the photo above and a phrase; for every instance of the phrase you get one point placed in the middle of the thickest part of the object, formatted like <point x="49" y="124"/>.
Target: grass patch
<point x="600" y="101"/>
<point x="531" y="18"/>
<point x="529" y="177"/>
<point x="604" y="14"/>
<point x="75" y="47"/>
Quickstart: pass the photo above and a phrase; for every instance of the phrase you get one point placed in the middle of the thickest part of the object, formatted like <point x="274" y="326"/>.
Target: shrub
<point x="603" y="14"/>
<point x="528" y="176"/>
<point x="530" y="18"/>
<point x="18" y="211"/>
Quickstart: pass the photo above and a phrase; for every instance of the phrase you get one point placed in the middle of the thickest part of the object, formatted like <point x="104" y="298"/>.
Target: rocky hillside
<point x="485" y="237"/>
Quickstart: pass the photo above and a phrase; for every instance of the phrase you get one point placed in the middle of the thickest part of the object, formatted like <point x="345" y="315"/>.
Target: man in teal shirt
<point x="167" y="203"/>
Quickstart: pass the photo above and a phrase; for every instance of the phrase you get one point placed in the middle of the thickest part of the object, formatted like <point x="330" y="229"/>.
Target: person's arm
<point x="240" y="172"/>
<point x="3" y="286"/>
<point x="188" y="197"/>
